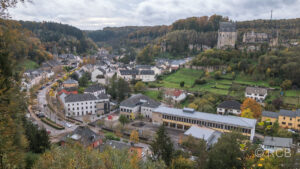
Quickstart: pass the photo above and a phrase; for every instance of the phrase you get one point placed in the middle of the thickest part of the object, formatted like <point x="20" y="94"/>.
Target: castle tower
<point x="227" y="35"/>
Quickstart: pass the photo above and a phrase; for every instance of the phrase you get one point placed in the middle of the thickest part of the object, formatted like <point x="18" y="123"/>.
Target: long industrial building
<point x="184" y="118"/>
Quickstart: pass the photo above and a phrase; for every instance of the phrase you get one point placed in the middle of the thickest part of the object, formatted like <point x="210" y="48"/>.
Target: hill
<point x="61" y="38"/>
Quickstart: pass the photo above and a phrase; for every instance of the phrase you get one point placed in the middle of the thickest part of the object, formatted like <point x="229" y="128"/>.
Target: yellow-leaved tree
<point x="134" y="136"/>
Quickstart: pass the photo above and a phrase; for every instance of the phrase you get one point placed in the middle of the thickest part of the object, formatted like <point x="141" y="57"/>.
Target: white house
<point x="256" y="93"/>
<point x="147" y="75"/>
<point x="98" y="75"/>
<point x="229" y="107"/>
<point x="273" y="144"/>
<point x="96" y="90"/>
<point x="86" y="104"/>
<point x="176" y="95"/>
<point x="138" y="104"/>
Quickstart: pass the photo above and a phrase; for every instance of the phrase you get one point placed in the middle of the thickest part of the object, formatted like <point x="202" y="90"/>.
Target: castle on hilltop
<point x="227" y="35"/>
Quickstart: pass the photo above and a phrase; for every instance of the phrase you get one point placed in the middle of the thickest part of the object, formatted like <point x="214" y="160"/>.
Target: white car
<point x="69" y="125"/>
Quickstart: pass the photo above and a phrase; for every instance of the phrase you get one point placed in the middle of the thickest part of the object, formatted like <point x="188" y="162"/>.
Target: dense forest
<point x="60" y="38"/>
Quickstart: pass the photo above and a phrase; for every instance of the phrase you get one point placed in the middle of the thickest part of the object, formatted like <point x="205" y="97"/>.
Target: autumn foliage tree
<point x="134" y="136"/>
<point x="254" y="107"/>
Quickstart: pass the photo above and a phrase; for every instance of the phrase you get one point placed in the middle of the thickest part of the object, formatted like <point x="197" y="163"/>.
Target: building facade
<point x="138" y="104"/>
<point x="286" y="118"/>
<point x="183" y="119"/>
<point x="229" y="107"/>
<point x="227" y="35"/>
<point x="256" y="93"/>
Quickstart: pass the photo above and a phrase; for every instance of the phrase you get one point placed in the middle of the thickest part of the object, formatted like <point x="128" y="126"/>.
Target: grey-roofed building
<point x="138" y="104"/>
<point x="147" y="75"/>
<point x="85" y="136"/>
<point x="209" y="135"/>
<point x="183" y="119"/>
<point x="286" y="118"/>
<point x="86" y="104"/>
<point x="95" y="89"/>
<point x="273" y="144"/>
<point x="270" y="114"/>
<point x="256" y="93"/>
<point x="229" y="107"/>
<point x="70" y="83"/>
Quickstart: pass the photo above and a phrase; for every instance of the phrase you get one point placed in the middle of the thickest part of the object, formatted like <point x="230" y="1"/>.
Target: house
<point x="33" y="77"/>
<point x="132" y="148"/>
<point x="138" y="104"/>
<point x="273" y="144"/>
<point x="183" y="119"/>
<point x="86" y="104"/>
<point x="175" y="94"/>
<point x="70" y="83"/>
<point x="98" y="75"/>
<point x="128" y="74"/>
<point x="96" y="89"/>
<point x="256" y="93"/>
<point x="229" y="107"/>
<point x="85" y="136"/>
<point x="286" y="118"/>
<point x="210" y="136"/>
<point x="147" y="75"/>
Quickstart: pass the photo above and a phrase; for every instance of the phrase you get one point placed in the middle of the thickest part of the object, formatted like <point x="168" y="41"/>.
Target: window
<point x="73" y="108"/>
<point x="68" y="108"/>
<point x="290" y="119"/>
<point x="283" y="122"/>
<point x="77" y="108"/>
<point x="290" y="124"/>
<point x="283" y="118"/>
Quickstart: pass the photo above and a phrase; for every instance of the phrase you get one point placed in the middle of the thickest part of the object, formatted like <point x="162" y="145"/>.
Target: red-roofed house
<point x="175" y="94"/>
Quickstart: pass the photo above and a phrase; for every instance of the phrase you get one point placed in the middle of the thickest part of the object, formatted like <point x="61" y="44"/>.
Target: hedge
<point x="52" y="123"/>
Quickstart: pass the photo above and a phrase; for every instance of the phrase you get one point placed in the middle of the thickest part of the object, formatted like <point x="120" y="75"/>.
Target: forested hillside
<point x="186" y="37"/>
<point x="60" y="38"/>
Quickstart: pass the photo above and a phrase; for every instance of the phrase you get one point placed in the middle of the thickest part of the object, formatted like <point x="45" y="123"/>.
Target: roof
<point x="230" y="104"/>
<point x="200" y="132"/>
<point x="139" y="99"/>
<point x="102" y="96"/>
<point x="129" y="72"/>
<point x="147" y="72"/>
<point x="282" y="112"/>
<point x="143" y="66"/>
<point x="278" y="141"/>
<point x="84" y="135"/>
<point x="70" y="81"/>
<point x="69" y="89"/>
<point x="256" y="90"/>
<point x="94" y="88"/>
<point x="270" y="114"/>
<point x="231" y="120"/>
<point x="80" y="97"/>
<point x="175" y="92"/>
<point x="227" y="27"/>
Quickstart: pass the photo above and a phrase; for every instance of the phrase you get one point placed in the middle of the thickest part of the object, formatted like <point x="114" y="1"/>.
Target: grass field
<point x="152" y="94"/>
<point x="28" y="65"/>
<point x="221" y="87"/>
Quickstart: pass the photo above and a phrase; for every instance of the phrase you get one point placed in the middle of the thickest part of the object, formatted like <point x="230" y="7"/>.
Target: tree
<point x="253" y="106"/>
<point x="217" y="75"/>
<point x="38" y="139"/>
<point x="123" y="119"/>
<point x="182" y="84"/>
<point x="162" y="146"/>
<point x="134" y="136"/>
<point x="181" y="163"/>
<point x="226" y="153"/>
<point x="83" y="81"/>
<point x="139" y="86"/>
<point x="277" y="103"/>
<point x="247" y="113"/>
<point x="285" y="85"/>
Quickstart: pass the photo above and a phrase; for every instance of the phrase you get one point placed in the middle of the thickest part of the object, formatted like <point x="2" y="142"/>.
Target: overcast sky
<point x="96" y="14"/>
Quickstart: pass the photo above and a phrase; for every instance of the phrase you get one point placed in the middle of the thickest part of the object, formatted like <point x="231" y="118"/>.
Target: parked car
<point x="69" y="125"/>
<point x="40" y="115"/>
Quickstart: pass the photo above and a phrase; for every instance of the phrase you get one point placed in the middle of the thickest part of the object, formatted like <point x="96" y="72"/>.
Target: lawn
<point x="152" y="94"/>
<point x="27" y="65"/>
<point x="292" y="93"/>
<point x="221" y="86"/>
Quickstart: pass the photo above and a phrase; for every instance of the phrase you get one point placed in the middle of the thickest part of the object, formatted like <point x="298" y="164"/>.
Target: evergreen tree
<point x="162" y="146"/>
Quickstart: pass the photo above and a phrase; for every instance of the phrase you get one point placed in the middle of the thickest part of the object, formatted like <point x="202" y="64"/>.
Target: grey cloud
<point x="96" y="14"/>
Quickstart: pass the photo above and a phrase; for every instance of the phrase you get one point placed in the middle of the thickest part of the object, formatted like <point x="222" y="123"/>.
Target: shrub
<point x="200" y="81"/>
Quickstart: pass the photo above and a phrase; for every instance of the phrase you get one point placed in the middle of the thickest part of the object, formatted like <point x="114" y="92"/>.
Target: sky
<point x="97" y="14"/>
